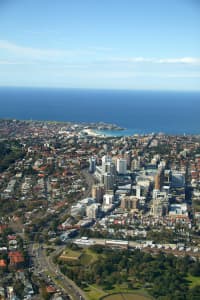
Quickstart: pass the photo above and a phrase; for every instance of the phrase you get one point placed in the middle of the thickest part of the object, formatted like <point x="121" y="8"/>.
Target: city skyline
<point x="99" y="44"/>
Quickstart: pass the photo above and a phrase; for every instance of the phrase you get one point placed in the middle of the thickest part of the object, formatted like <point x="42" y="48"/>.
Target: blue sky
<point x="117" y="44"/>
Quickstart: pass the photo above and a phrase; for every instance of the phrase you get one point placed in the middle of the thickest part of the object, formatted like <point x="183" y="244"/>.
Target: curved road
<point x="44" y="264"/>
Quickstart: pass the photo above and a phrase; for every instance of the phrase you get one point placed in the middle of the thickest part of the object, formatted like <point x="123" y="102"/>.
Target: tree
<point x="194" y="293"/>
<point x="195" y="269"/>
<point x="19" y="288"/>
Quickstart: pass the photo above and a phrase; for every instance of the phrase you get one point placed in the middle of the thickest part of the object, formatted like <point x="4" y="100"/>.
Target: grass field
<point x="89" y="256"/>
<point x="70" y="255"/>
<point x="95" y="292"/>
<point x="193" y="281"/>
<point x="124" y="296"/>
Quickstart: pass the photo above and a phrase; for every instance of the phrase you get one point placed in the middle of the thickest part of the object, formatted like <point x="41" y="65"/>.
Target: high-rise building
<point x="107" y="164"/>
<point x="104" y="160"/>
<point x="92" y="164"/>
<point x="98" y="192"/>
<point x="122" y="166"/>
<point x="178" y="179"/>
<point x="130" y="203"/>
<point x="92" y="211"/>
<point x="108" y="199"/>
<point x="140" y="191"/>
<point x="128" y="157"/>
<point x="160" y="203"/>
<point x="108" y="177"/>
<point x="157" y="208"/>
<point x="136" y="164"/>
<point x="108" y="181"/>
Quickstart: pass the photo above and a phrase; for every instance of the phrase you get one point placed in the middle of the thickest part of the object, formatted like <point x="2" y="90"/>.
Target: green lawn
<point x="85" y="259"/>
<point x="95" y="292"/>
<point x="70" y="255"/>
<point x="124" y="296"/>
<point x="193" y="280"/>
<point x="84" y="256"/>
<point x="93" y="256"/>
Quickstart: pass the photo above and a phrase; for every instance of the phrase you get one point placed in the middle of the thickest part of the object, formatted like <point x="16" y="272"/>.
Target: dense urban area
<point x="84" y="215"/>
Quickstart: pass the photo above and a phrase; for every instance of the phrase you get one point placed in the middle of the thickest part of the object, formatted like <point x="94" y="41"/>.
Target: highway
<point x="89" y="180"/>
<point x="45" y="268"/>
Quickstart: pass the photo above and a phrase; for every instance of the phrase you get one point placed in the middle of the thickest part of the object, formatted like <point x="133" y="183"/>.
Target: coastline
<point x="138" y="112"/>
<point x="92" y="132"/>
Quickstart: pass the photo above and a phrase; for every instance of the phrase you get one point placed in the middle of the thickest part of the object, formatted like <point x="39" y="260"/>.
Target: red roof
<point x="50" y="289"/>
<point x="11" y="237"/>
<point x="2" y="263"/>
<point x="16" y="257"/>
<point x="41" y="175"/>
<point x="3" y="227"/>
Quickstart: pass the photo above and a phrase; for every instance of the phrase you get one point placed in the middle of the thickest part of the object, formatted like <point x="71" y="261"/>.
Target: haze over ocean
<point x="138" y="111"/>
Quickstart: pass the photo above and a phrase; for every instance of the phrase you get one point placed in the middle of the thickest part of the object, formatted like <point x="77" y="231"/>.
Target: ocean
<point x="137" y="111"/>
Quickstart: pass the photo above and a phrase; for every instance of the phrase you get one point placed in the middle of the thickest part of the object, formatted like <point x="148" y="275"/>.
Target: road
<point x="44" y="267"/>
<point x="89" y="180"/>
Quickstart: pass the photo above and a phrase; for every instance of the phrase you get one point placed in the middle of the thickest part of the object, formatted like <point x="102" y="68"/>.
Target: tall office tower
<point x="108" y="181"/>
<point x="98" y="192"/>
<point x="122" y="166"/>
<point x="104" y="160"/>
<point x="92" y="164"/>
<point x="128" y="157"/>
<point x="106" y="163"/>
<point x="108" y="177"/>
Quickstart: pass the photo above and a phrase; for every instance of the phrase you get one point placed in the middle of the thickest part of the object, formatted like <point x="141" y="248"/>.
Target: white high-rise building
<point x="138" y="191"/>
<point x="108" y="199"/>
<point x="122" y="166"/>
<point x="108" y="176"/>
<point x="106" y="163"/>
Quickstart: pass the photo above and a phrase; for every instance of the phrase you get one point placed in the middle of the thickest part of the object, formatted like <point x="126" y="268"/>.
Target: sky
<point x="106" y="44"/>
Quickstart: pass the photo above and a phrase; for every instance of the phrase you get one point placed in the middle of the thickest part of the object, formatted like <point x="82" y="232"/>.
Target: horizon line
<point x="100" y="88"/>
